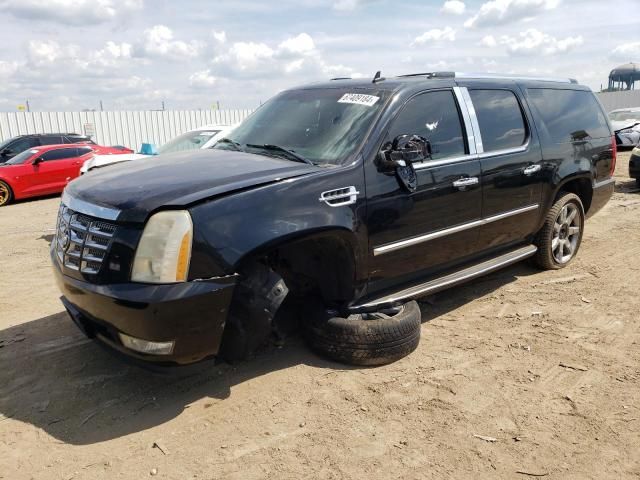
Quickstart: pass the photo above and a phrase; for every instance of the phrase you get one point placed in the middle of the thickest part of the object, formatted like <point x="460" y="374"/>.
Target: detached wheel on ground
<point x="367" y="339"/>
<point x="559" y="238"/>
<point x="6" y="195"/>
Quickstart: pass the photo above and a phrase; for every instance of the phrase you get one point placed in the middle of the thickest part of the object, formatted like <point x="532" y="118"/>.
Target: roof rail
<point x="489" y="75"/>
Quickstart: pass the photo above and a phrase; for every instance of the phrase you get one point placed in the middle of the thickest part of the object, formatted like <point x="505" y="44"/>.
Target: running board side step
<point x="446" y="281"/>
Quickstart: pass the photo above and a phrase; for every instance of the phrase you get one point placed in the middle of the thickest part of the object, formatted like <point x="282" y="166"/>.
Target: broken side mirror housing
<point x="404" y="150"/>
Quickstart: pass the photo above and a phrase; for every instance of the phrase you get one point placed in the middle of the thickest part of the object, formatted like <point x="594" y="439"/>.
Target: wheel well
<point x="322" y="265"/>
<point x="582" y="188"/>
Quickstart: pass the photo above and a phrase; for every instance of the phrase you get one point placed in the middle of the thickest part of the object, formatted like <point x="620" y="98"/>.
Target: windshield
<point x="325" y="126"/>
<point x="21" y="157"/>
<point x="188" y="141"/>
<point x="622" y="116"/>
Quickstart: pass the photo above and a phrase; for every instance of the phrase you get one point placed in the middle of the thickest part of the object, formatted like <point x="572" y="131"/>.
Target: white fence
<point x="624" y="99"/>
<point x="117" y="128"/>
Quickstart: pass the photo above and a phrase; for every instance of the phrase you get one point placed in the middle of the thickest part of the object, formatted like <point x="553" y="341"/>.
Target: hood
<point x="102" y="160"/>
<point x="618" y="125"/>
<point x="176" y="180"/>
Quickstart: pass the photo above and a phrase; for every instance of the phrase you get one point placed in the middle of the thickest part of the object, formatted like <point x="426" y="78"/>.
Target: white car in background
<point x="203" y="137"/>
<point x="626" y="126"/>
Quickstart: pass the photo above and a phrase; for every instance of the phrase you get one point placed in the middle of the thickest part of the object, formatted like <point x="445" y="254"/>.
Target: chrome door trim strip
<point x="391" y="247"/>
<point x="81" y="206"/>
<point x="510" y="213"/>
<point x="444" y="161"/>
<point x="441" y="283"/>
<point x="471" y="140"/>
<point x="506" y="151"/>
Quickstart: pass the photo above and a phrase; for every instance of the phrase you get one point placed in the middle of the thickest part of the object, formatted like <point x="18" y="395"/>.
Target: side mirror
<point x="404" y="150"/>
<point x="37" y="161"/>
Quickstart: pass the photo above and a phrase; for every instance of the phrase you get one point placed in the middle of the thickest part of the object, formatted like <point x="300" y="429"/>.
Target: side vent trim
<point x="340" y="196"/>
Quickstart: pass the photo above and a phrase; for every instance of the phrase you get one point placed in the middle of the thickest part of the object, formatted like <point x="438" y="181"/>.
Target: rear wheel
<point x="367" y="339"/>
<point x="559" y="238"/>
<point x="6" y="195"/>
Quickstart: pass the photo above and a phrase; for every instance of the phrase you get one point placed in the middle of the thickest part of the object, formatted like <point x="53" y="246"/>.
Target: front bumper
<point x="191" y="314"/>
<point x="634" y="165"/>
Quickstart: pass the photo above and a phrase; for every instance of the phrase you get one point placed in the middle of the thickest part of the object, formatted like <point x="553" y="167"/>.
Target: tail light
<point x="614" y="154"/>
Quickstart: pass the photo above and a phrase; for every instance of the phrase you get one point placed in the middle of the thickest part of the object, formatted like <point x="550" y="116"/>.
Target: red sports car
<point x="43" y="170"/>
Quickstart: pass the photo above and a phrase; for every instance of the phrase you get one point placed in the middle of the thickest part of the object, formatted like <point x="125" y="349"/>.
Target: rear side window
<point x="76" y="139"/>
<point x="51" y="140"/>
<point x="83" y="151"/>
<point x="500" y="117"/>
<point x="59" y="154"/>
<point x="433" y="115"/>
<point x="567" y="115"/>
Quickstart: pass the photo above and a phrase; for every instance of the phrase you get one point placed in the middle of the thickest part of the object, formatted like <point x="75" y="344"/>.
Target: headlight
<point x="164" y="251"/>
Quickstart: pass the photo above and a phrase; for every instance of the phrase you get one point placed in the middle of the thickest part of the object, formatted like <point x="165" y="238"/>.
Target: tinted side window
<point x="433" y="115"/>
<point x="51" y="139"/>
<point x="76" y="139"/>
<point x="500" y="119"/>
<point x="23" y="144"/>
<point x="567" y="115"/>
<point x="59" y="154"/>
<point x="83" y="151"/>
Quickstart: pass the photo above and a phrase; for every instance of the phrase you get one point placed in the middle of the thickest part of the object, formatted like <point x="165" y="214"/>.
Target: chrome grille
<point x="81" y="242"/>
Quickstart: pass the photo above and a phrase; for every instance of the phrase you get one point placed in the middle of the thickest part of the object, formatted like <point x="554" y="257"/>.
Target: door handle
<point x="465" y="182"/>
<point x="531" y="169"/>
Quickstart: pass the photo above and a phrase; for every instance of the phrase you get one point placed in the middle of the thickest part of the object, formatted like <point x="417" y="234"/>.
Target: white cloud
<point x="158" y="42"/>
<point x="71" y="12"/>
<point x="454" y="7"/>
<point x="627" y="51"/>
<point x="245" y="55"/>
<point x="535" y="42"/>
<point x="436" y="35"/>
<point x="347" y="5"/>
<point x="488" y="41"/>
<point x="302" y="44"/>
<point x="500" y="12"/>
<point x="220" y="37"/>
<point x="202" y="79"/>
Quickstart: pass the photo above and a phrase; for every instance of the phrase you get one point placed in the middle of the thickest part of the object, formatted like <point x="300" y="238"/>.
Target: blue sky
<point x="134" y="54"/>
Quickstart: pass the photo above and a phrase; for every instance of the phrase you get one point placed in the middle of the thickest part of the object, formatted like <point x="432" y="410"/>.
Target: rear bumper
<point x="634" y="166"/>
<point x="191" y="314"/>
<point x="602" y="192"/>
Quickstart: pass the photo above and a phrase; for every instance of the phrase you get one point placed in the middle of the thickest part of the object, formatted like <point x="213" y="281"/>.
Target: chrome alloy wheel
<point x="4" y="194"/>
<point x="566" y="233"/>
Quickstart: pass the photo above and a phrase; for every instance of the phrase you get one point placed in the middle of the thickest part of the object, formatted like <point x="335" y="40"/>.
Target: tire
<point x="367" y="339"/>
<point x="6" y="194"/>
<point x="557" y="245"/>
<point x="638" y="182"/>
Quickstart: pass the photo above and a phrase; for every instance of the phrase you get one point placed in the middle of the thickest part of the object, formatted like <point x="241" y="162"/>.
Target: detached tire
<point x="367" y="339"/>
<point x="560" y="237"/>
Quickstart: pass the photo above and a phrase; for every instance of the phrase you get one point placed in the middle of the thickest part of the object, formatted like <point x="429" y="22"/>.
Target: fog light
<point x="145" y="346"/>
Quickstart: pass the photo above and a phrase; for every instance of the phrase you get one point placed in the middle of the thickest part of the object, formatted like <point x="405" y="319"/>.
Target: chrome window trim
<point x="505" y="151"/>
<point x="391" y="247"/>
<point x="443" y="161"/>
<point x="471" y="140"/>
<point x="474" y="119"/>
<point x="90" y="209"/>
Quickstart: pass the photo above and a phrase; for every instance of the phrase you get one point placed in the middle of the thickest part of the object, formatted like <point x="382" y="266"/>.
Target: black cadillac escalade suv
<point x="342" y="201"/>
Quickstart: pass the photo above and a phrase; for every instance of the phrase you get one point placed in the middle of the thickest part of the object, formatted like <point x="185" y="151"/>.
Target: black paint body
<point x="246" y="204"/>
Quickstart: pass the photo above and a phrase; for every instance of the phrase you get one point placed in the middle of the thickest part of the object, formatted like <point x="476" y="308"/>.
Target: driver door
<point x="413" y="234"/>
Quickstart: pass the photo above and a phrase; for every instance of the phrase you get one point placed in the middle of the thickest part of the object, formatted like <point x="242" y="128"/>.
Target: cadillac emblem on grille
<point x="82" y="242"/>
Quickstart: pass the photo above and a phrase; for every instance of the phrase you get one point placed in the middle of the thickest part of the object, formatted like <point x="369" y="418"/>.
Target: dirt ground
<point x="522" y="373"/>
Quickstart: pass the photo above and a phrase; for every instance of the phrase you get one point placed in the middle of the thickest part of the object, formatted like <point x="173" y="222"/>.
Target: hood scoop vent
<point x="340" y="196"/>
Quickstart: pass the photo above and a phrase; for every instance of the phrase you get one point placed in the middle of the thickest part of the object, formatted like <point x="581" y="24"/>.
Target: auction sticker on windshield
<point x="359" y="98"/>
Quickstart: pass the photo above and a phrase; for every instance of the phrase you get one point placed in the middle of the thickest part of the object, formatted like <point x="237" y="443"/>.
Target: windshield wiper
<point x="228" y="141"/>
<point x="277" y="148"/>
